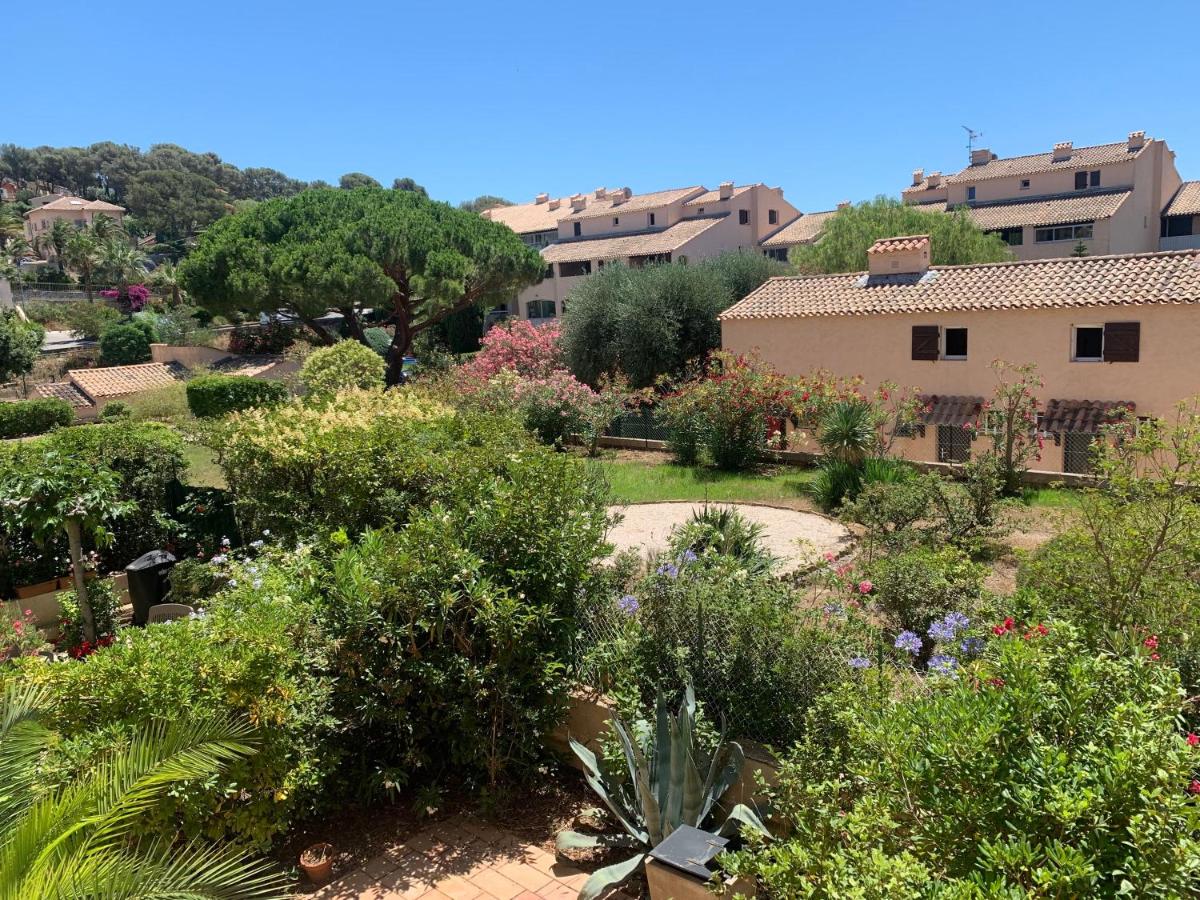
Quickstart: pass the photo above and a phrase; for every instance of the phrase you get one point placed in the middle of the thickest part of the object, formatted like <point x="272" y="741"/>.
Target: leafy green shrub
<point x="89" y="320"/>
<point x="451" y="635"/>
<point x="25" y="417"/>
<point x="124" y="345"/>
<point x="723" y="531"/>
<point x="849" y="431"/>
<point x="253" y="656"/>
<point x="148" y="459"/>
<point x="378" y="340"/>
<point x="919" y="586"/>
<point x="347" y="364"/>
<point x="161" y="404"/>
<point x="102" y="597"/>
<point x="274" y="337"/>
<point x="1045" y="769"/>
<point x="754" y="656"/>
<point x="835" y="481"/>
<point x="366" y="459"/>
<point x="209" y="396"/>
<point x="114" y="410"/>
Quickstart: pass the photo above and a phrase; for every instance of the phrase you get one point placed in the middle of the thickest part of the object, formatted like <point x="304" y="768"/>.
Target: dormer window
<point x="1084" y="180"/>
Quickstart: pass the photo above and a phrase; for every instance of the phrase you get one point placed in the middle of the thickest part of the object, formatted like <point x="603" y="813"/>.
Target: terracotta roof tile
<point x="803" y="230"/>
<point x="63" y="390"/>
<point x="1186" y="201"/>
<point x="1082" y="416"/>
<point x="944" y="409"/>
<point x="117" y="381"/>
<point x="1064" y="282"/>
<point x="609" y="207"/>
<point x="1056" y="211"/>
<point x="902" y="243"/>
<point x="715" y="196"/>
<point x="1080" y="158"/>
<point x="78" y="204"/>
<point x="526" y="218"/>
<point x="623" y="246"/>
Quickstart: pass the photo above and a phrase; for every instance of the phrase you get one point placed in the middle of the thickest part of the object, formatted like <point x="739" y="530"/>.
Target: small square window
<point x="772" y="217"/>
<point x="578" y="229"/>
<point x="971" y="192"/>
<point x="956" y="343"/>
<point x="1024" y="184"/>
<point x="1088" y="343"/>
<point x="743" y="217"/>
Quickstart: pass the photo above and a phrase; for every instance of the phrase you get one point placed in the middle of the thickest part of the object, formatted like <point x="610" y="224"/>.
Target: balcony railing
<point x="1183" y="242"/>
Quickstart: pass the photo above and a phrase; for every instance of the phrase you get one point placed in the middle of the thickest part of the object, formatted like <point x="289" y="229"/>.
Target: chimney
<point x="845" y="204"/>
<point x="981" y="157"/>
<point x="934" y="180"/>
<point x="725" y="190"/>
<point x="1062" y="151"/>
<point x="601" y="193"/>
<point x="1137" y="139"/>
<point x="578" y="202"/>
<point x="541" y="198"/>
<point x="918" y="176"/>
<point x="617" y="198"/>
<point x="899" y="255"/>
<point x="554" y="204"/>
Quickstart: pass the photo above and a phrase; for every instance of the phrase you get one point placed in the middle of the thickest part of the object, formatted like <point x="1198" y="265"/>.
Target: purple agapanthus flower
<point x="628" y="604"/>
<point x="943" y="665"/>
<point x="957" y="620"/>
<point x="669" y="569"/>
<point x="909" y="641"/>
<point x="859" y="662"/>
<point x="833" y="609"/>
<point x="688" y="557"/>
<point x="972" y="645"/>
<point x="941" y="630"/>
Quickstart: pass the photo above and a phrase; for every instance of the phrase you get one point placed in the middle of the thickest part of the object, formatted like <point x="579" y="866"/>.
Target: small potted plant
<point x="317" y="862"/>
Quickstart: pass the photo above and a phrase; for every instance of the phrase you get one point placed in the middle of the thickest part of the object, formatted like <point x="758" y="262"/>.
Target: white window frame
<point x="942" y="348"/>
<point x="1075" y="236"/>
<point x="1075" y="343"/>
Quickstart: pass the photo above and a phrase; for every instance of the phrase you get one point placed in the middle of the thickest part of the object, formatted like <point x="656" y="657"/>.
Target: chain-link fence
<point x="645" y="424"/>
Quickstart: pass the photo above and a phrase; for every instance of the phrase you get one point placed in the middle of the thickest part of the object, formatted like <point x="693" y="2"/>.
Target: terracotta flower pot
<point x="317" y="862"/>
<point x="34" y="590"/>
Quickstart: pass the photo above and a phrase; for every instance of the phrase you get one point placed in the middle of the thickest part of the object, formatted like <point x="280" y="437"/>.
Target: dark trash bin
<point x="147" y="576"/>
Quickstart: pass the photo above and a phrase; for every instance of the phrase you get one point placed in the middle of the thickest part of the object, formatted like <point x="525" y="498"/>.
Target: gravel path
<point x="797" y="538"/>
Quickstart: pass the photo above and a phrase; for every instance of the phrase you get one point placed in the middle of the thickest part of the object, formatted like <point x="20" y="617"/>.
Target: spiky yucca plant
<point x="77" y="841"/>
<point x="667" y="780"/>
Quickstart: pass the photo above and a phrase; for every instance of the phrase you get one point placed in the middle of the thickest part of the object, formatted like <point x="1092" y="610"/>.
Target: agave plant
<point x="665" y="779"/>
<point x="78" y="841"/>
<point x="848" y="431"/>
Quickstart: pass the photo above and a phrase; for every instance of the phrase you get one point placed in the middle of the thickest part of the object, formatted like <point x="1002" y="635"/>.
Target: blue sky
<point x="832" y="101"/>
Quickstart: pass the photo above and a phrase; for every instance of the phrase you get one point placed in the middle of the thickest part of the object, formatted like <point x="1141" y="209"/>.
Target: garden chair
<point x="168" y="612"/>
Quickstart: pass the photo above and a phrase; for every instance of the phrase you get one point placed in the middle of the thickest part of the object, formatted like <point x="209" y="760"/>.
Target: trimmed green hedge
<point x="124" y="345"/>
<point x="34" y="416"/>
<point x="218" y="395"/>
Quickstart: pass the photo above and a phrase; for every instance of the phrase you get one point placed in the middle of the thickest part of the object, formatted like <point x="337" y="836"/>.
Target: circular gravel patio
<point x="797" y="538"/>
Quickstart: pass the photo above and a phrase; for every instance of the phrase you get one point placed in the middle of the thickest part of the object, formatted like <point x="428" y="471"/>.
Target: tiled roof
<point x="905" y="243"/>
<point x="623" y="246"/>
<point x="63" y="391"/>
<point x="1058" y="211"/>
<point x="1080" y="158"/>
<point x="1065" y="282"/>
<point x="1186" y="201"/>
<point x="804" y="230"/>
<point x="117" y="381"/>
<point x="525" y="218"/>
<point x="715" y="196"/>
<point x="636" y="203"/>
<point x="943" y="409"/>
<point x="78" y="204"/>
<point x="1082" y="416"/>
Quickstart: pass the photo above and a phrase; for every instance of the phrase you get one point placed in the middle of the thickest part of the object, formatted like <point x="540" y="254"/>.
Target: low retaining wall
<point x="188" y="357"/>
<point x="46" y="609"/>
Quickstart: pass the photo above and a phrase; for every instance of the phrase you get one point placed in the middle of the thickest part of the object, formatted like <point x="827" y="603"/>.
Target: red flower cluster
<point x="1193" y="739"/>
<point x="1194" y="787"/>
<point x="996" y="682"/>
<point x="1004" y="627"/>
<point x="87" y="648"/>
<point x="1009" y="625"/>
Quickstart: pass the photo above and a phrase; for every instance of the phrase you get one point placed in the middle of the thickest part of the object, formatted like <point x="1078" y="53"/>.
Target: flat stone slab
<point x="797" y="538"/>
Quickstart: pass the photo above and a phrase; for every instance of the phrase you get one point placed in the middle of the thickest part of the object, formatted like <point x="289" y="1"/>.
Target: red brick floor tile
<point x="499" y="886"/>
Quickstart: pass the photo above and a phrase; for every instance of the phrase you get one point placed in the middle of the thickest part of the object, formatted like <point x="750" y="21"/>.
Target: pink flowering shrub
<point x="518" y="347"/>
<point x="19" y="636"/>
<point x="136" y="295"/>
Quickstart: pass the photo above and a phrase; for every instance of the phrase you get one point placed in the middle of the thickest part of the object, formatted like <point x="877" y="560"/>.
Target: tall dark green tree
<point x="173" y="203"/>
<point x="955" y="239"/>
<point x="20" y="343"/>
<point x="484" y="201"/>
<point x="408" y="184"/>
<point x="352" y="180"/>
<point x="419" y="260"/>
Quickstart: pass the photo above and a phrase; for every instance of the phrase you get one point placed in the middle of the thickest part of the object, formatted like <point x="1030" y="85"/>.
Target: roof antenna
<point x="972" y="137"/>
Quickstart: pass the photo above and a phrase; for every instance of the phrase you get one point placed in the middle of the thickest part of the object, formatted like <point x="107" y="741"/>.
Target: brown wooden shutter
<point x="925" y="342"/>
<point x="1122" y="341"/>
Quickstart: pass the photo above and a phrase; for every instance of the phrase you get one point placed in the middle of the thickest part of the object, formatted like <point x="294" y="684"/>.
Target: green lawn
<point x="638" y="482"/>
<point x="202" y="468"/>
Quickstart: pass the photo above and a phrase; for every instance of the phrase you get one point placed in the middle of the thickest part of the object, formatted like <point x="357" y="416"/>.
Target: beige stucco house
<point x="579" y="235"/>
<point x="77" y="211"/>
<point x="1106" y="332"/>
<point x="1112" y="198"/>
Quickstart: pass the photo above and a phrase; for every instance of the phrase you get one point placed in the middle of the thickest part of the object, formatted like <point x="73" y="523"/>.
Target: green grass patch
<point x="202" y="470"/>
<point x="638" y="482"/>
<point x="1050" y="497"/>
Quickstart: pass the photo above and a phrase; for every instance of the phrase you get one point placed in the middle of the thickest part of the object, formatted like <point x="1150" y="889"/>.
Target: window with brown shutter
<point x="925" y="342"/>
<point x="1122" y="341"/>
